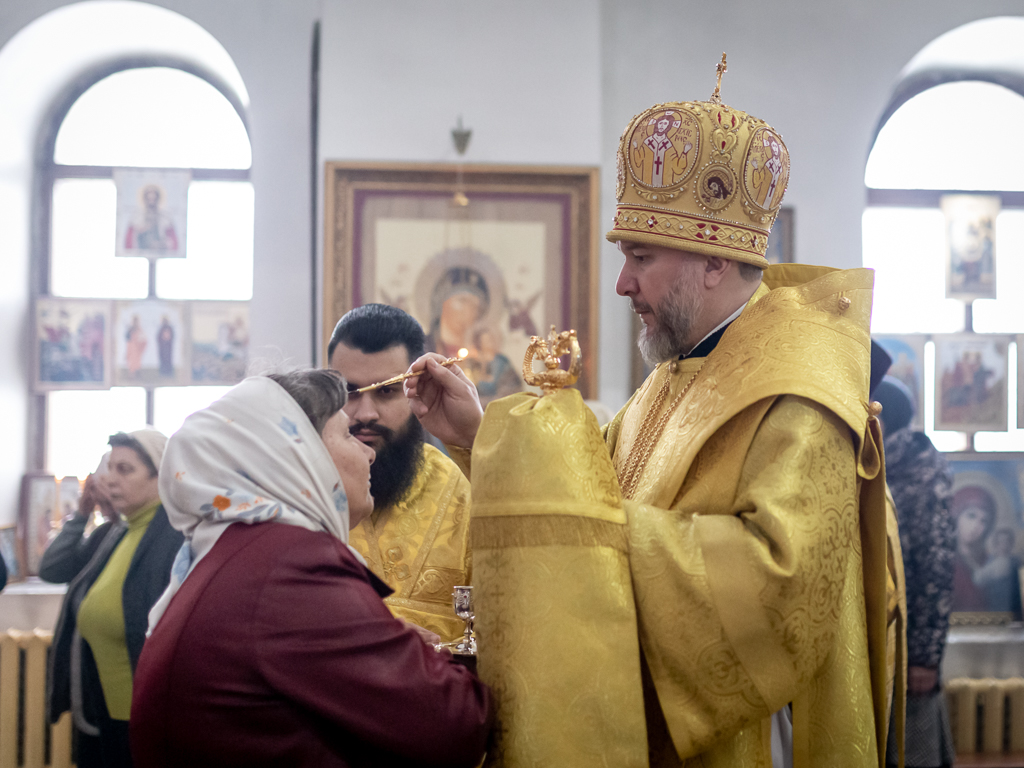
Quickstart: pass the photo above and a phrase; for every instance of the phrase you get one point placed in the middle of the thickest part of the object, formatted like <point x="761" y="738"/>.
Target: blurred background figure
<point x="998" y="577"/>
<point x="103" y="621"/>
<point x="74" y="546"/>
<point x="921" y="484"/>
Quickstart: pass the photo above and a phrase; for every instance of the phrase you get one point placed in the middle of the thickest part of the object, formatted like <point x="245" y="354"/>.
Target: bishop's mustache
<point x="639" y="307"/>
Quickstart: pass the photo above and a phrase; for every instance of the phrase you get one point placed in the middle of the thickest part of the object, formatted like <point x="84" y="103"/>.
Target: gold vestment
<point x="419" y="546"/>
<point x="759" y="557"/>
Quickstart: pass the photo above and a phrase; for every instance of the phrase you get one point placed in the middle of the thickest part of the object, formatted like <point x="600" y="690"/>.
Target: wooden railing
<point x="26" y="740"/>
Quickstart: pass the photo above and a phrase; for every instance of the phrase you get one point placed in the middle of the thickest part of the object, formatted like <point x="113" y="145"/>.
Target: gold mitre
<point x="700" y="176"/>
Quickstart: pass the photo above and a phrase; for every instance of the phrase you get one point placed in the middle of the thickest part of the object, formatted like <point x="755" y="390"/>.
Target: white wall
<point x="397" y="74"/>
<point x="525" y="76"/>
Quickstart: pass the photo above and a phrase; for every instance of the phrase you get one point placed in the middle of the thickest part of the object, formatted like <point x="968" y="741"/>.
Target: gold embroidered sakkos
<point x="760" y="564"/>
<point x="648" y="435"/>
<point x="419" y="546"/>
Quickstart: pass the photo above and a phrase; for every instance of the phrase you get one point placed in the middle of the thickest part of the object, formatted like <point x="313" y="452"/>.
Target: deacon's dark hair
<point x="319" y="392"/>
<point x="376" y="327"/>
<point x="124" y="440"/>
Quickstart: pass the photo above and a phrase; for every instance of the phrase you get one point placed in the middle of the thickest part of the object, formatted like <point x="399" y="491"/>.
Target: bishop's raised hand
<point x="444" y="400"/>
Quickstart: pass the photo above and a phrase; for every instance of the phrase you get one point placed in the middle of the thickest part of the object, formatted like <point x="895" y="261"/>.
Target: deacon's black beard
<point x="397" y="464"/>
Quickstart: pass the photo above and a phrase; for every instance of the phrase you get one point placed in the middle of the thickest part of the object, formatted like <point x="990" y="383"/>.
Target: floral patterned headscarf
<point x="251" y="457"/>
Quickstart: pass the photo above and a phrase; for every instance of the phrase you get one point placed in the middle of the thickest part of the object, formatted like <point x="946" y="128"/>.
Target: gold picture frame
<point x="38" y="518"/>
<point x="521" y="242"/>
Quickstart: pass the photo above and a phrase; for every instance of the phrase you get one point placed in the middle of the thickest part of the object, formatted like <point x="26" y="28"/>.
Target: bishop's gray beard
<point x="676" y="315"/>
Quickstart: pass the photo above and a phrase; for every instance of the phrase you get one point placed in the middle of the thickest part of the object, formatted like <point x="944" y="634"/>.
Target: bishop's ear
<point x="715" y="269"/>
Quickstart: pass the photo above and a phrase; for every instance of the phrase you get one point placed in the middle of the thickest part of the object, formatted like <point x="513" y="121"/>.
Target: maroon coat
<point x="277" y="651"/>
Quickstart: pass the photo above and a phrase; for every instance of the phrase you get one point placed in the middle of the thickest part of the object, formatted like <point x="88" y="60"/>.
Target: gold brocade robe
<point x="762" y="567"/>
<point x="752" y="558"/>
<point x="419" y="546"/>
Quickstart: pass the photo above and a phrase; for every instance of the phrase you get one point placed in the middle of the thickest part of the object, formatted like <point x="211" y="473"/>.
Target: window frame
<point x="908" y="88"/>
<point x="46" y="172"/>
<point x="883" y="197"/>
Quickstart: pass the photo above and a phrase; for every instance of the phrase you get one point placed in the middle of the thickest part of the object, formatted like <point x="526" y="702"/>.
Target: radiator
<point x="26" y="741"/>
<point x="986" y="715"/>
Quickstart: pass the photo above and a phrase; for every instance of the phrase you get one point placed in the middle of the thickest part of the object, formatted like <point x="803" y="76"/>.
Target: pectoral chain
<point x="649" y="434"/>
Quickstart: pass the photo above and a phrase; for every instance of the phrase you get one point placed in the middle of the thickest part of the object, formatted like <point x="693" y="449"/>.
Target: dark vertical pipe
<point x="314" y="172"/>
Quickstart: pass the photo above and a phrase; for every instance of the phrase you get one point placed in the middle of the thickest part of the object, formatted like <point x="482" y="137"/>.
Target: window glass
<point x="78" y="424"/>
<point x="1005" y="313"/>
<point x="935" y="140"/>
<point x="906" y="248"/>
<point x="152" y="117"/>
<point x="218" y="264"/>
<point x="172" y="405"/>
<point x="155" y="117"/>
<point x="82" y="260"/>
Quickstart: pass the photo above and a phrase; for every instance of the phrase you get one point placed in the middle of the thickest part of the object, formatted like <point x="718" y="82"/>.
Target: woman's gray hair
<point x="319" y="392"/>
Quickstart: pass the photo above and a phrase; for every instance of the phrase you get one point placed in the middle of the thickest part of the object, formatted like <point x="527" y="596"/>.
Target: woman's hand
<point x="445" y="401"/>
<point x="90" y="497"/>
<point x="95" y="494"/>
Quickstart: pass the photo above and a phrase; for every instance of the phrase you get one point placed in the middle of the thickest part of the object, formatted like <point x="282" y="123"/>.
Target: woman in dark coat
<point x="272" y="646"/>
<point x="103" y="621"/>
<point x="921" y="485"/>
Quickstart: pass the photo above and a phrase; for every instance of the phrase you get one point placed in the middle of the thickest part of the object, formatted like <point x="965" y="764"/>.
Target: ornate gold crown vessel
<point x="700" y="176"/>
<point x="551" y="351"/>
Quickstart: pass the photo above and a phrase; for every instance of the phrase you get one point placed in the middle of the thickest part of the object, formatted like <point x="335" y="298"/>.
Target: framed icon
<point x="482" y="256"/>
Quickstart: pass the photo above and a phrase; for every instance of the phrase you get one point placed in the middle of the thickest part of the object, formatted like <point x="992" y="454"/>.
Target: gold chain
<point x="649" y="434"/>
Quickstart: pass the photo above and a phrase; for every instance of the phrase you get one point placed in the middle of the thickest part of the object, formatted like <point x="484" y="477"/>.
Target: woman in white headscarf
<point x="272" y="645"/>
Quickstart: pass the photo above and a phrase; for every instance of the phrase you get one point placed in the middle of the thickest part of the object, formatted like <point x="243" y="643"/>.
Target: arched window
<point x="949" y="129"/>
<point x="139" y="115"/>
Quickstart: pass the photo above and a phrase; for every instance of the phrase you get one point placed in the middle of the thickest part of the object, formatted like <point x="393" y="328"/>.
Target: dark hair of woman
<point x="124" y="440"/>
<point x="320" y="393"/>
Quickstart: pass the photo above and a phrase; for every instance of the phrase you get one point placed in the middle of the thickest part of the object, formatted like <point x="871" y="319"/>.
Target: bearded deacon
<point x="416" y="537"/>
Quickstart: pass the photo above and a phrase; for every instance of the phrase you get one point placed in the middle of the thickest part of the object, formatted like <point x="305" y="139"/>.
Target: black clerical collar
<point x="710" y="342"/>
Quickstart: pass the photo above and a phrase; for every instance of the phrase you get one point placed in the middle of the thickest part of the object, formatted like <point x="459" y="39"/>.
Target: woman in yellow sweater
<point x="103" y="622"/>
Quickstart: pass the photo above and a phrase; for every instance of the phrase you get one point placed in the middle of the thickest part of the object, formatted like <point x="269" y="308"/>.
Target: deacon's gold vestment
<point x="419" y="546"/>
<point x="755" y="527"/>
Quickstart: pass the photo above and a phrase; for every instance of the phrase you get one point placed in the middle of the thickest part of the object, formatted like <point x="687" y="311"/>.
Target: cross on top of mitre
<point x="716" y="97"/>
